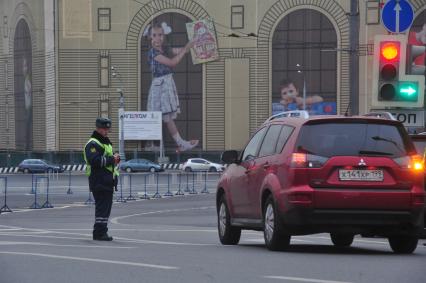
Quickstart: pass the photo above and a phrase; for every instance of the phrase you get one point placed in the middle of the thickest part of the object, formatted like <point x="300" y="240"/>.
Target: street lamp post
<point x="300" y="71"/>
<point x="116" y="74"/>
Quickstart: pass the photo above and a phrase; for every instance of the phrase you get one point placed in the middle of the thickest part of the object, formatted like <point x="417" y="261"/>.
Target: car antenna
<point x="347" y="109"/>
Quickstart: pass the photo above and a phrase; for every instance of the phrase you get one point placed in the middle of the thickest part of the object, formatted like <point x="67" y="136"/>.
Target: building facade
<point x="57" y="56"/>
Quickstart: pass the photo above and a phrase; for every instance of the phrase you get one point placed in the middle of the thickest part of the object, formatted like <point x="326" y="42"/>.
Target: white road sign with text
<point x="143" y="125"/>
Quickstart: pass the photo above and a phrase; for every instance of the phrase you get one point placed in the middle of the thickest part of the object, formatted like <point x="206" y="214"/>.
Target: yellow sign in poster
<point x="205" y="43"/>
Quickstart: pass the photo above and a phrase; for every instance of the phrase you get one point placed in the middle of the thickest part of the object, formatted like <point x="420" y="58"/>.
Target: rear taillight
<point x="304" y="160"/>
<point x="412" y="162"/>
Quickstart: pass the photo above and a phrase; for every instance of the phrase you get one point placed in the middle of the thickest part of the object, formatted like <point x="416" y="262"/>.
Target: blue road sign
<point x="397" y="15"/>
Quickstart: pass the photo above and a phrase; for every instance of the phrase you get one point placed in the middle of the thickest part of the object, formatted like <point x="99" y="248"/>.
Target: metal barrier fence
<point x="73" y="187"/>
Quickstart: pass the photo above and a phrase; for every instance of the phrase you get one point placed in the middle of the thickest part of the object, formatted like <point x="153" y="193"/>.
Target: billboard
<point x="23" y="90"/>
<point x="304" y="64"/>
<point x="171" y="83"/>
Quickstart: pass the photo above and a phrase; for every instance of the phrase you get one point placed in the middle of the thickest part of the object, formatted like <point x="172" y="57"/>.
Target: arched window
<point x="23" y="87"/>
<point x="303" y="54"/>
<point x="188" y="79"/>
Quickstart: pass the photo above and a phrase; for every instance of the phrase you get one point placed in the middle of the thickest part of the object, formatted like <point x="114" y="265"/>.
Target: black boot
<point x="104" y="237"/>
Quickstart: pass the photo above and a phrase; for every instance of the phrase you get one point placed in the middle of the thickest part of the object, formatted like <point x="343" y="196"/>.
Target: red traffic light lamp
<point x="390" y="51"/>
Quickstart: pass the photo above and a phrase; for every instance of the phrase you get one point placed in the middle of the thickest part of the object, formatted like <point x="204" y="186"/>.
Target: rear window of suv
<point x="354" y="139"/>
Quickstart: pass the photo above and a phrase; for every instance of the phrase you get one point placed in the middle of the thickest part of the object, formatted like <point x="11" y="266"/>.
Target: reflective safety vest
<point x="107" y="152"/>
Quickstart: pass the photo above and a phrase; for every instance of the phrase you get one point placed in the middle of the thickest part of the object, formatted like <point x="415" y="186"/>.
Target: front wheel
<point x="403" y="244"/>
<point x="273" y="232"/>
<point x="152" y="169"/>
<point x="342" y="240"/>
<point x="212" y="169"/>
<point x="26" y="171"/>
<point x="228" y="234"/>
<point x="129" y="170"/>
<point x="188" y="169"/>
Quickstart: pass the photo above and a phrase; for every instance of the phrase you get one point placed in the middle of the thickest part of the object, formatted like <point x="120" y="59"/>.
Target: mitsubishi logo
<point x="362" y="163"/>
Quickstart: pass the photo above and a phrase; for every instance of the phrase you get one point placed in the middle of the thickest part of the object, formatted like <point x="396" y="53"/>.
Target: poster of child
<point x="205" y="43"/>
<point x="163" y="95"/>
<point x="290" y="99"/>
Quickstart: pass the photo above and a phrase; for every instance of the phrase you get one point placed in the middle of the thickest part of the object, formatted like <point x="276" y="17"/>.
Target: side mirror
<point x="229" y="157"/>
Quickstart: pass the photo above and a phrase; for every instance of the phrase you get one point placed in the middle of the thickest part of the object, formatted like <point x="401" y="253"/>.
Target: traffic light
<point x="391" y="86"/>
<point x="389" y="66"/>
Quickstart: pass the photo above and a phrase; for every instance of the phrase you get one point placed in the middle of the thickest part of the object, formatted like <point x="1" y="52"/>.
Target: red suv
<point x="333" y="174"/>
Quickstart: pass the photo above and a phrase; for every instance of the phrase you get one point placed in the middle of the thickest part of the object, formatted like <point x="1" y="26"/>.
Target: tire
<point x="129" y="170"/>
<point x="228" y="235"/>
<point x="49" y="170"/>
<point x="403" y="244"/>
<point x="273" y="232"/>
<point x="212" y="169"/>
<point x="188" y="169"/>
<point x="152" y="170"/>
<point x="26" y="171"/>
<point x="342" y="240"/>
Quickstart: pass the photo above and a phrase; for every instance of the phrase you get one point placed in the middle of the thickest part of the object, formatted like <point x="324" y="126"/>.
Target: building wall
<point x="80" y="45"/>
<point x="11" y="13"/>
<point x="67" y="58"/>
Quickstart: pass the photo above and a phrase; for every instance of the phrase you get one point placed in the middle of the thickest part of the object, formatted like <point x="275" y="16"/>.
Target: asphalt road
<point x="175" y="240"/>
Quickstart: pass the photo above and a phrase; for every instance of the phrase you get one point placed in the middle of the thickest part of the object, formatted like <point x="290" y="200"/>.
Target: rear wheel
<point x="129" y="170"/>
<point x="273" y="232"/>
<point x="403" y="244"/>
<point x="342" y="240"/>
<point x="228" y="234"/>
<point x="188" y="169"/>
<point x="26" y="171"/>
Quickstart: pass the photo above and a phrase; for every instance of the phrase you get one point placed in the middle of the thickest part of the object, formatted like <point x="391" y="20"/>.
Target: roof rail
<point x="381" y="114"/>
<point x="294" y="114"/>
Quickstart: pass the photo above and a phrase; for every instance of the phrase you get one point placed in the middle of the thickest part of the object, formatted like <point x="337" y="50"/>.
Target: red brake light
<point x="303" y="160"/>
<point x="298" y="160"/>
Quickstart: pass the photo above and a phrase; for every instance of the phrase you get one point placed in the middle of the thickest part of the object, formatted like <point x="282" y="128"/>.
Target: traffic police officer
<point x="102" y="174"/>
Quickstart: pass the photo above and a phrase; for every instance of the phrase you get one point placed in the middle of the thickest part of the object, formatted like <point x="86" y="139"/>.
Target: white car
<point x="199" y="164"/>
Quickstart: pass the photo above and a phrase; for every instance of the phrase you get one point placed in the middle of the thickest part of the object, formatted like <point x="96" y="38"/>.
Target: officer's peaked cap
<point x="103" y="123"/>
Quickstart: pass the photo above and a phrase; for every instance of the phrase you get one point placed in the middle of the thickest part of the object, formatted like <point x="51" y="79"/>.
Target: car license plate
<point x="361" y="175"/>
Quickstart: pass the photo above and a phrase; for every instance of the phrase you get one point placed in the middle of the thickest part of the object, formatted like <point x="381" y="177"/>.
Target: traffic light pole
<point x="354" y="59"/>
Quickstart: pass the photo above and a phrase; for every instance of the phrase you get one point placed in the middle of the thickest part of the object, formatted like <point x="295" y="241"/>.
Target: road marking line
<point x="10" y="243"/>
<point x="125" y="240"/>
<point x="262" y="240"/>
<point x="301" y="279"/>
<point x="142" y="241"/>
<point x="138" y="230"/>
<point x="138" y="264"/>
<point x="116" y="219"/>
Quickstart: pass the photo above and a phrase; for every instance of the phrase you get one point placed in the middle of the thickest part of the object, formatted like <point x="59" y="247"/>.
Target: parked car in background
<point x="199" y="164"/>
<point x="324" y="174"/>
<point x="39" y="166"/>
<point x="137" y="165"/>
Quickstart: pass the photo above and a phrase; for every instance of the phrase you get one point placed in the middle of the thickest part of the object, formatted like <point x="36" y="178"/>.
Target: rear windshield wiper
<point x="372" y="152"/>
<point x="377" y="138"/>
